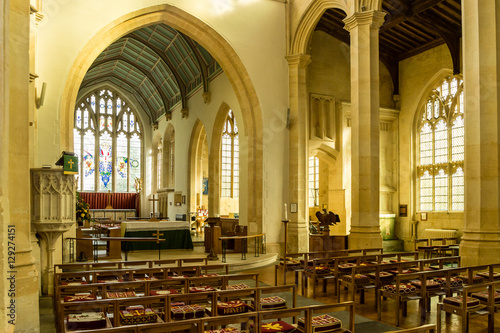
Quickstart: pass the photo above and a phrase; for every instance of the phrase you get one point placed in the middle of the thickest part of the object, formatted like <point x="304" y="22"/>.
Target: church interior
<point x="339" y="156"/>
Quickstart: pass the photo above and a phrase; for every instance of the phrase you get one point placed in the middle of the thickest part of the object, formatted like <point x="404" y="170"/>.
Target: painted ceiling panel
<point x="156" y="64"/>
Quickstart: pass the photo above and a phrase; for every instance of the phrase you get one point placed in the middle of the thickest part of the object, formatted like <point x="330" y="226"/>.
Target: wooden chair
<point x="319" y="272"/>
<point x="429" y="328"/>
<point x="244" y="320"/>
<point x="157" y="303"/>
<point x="66" y="308"/>
<point x="289" y="264"/>
<point x="470" y="308"/>
<point x="427" y="249"/>
<point x="315" y="310"/>
<point x="357" y="280"/>
<point x="231" y="281"/>
<point x="402" y="291"/>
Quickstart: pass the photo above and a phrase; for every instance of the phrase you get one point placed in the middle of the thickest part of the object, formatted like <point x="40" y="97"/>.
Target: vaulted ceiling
<point x="410" y="27"/>
<point x="156" y="64"/>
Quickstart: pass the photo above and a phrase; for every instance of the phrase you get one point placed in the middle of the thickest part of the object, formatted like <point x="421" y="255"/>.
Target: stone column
<point x="298" y="152"/>
<point x="364" y="31"/>
<point x="481" y="39"/>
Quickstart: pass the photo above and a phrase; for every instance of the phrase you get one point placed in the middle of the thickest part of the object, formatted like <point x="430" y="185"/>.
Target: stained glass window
<point x="108" y="141"/>
<point x="159" y="161"/>
<point x="230" y="158"/>
<point x="441" y="148"/>
<point x="313" y="182"/>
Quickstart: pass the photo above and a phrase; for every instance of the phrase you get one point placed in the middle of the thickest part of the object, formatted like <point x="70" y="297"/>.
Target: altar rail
<point x="260" y="245"/>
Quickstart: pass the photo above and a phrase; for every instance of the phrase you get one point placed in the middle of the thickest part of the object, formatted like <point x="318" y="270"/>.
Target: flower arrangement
<point x="82" y="210"/>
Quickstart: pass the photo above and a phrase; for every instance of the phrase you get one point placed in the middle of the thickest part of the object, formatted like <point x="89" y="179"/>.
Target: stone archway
<point x="214" y="43"/>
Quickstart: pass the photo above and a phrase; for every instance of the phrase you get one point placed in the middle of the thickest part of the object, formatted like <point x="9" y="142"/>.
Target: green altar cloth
<point x="176" y="234"/>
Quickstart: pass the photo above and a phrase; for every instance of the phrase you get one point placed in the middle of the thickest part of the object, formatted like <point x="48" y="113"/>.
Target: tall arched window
<point x="107" y="138"/>
<point x="313" y="181"/>
<point x="441" y="148"/>
<point x="230" y="158"/>
<point x="159" y="162"/>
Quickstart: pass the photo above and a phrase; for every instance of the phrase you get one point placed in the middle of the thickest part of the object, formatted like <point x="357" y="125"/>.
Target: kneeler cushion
<point x="476" y="279"/>
<point x="224" y="330"/>
<point x="79" y="298"/>
<point x="358" y="278"/>
<point x="276" y="327"/>
<point x="187" y="311"/>
<point x="231" y="307"/>
<point x="272" y="303"/>
<point x="110" y="281"/>
<point x="86" y="321"/>
<point x="73" y="283"/>
<point x="429" y="284"/>
<point x="458" y="300"/>
<point x="120" y="294"/>
<point x="146" y="278"/>
<point x="137" y="316"/>
<point x="486" y="275"/>
<point x="484" y="295"/>
<point x="238" y="286"/>
<point x="322" y="323"/>
<point x="163" y="292"/>
<point x="381" y="275"/>
<point x="318" y="269"/>
<point x="201" y="289"/>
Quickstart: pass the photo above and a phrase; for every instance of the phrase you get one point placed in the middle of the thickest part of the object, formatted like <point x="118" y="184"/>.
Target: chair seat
<point x="476" y="279"/>
<point x="483" y="296"/>
<point x="458" y="301"/>
<point x="404" y="271"/>
<point x="358" y="278"/>
<point x="404" y="288"/>
<point x="318" y="270"/>
<point x="430" y="284"/>
<point x="381" y="275"/>
<point x="486" y="275"/>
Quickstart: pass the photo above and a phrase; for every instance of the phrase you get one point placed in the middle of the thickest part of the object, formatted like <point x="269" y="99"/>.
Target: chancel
<point x="383" y="112"/>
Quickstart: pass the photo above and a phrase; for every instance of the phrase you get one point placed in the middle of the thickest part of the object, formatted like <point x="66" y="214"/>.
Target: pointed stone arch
<point x="195" y="161"/>
<point x="220" y="49"/>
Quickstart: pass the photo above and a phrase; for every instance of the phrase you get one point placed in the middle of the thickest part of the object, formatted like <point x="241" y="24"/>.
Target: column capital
<point x="374" y="18"/>
<point x="299" y="60"/>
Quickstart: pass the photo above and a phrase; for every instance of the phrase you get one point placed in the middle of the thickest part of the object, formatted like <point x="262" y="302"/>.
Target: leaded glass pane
<point x="110" y="107"/>
<point x="436" y="108"/>
<point x="441" y="143"/>
<point x="102" y="106"/>
<point x="85" y="119"/>
<point x="105" y="162"/>
<point x="226" y="166"/>
<point x="110" y="124"/>
<point x="457" y="190"/>
<point x="121" y="163"/>
<point x="88" y="179"/>
<point x="445" y="90"/>
<point x="102" y="123"/>
<point x="118" y="105"/>
<point x="441" y="191"/>
<point x="426" y="193"/>
<point x="236" y="166"/>
<point x="125" y="122"/>
<point x="313" y="181"/>
<point x="132" y="122"/>
<point x="457" y="140"/>
<point x="429" y="110"/>
<point x="426" y="145"/>
<point x="135" y="159"/>
<point x="454" y="86"/>
<point x="78" y="118"/>
<point x="92" y="102"/>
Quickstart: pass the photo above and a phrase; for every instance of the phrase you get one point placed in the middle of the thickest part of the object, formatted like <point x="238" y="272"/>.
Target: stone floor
<point x="264" y="265"/>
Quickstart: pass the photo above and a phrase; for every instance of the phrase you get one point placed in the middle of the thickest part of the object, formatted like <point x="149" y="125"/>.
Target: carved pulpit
<point x="53" y="204"/>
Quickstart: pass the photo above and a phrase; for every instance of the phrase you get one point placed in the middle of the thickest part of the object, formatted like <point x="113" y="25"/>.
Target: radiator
<point x="441" y="233"/>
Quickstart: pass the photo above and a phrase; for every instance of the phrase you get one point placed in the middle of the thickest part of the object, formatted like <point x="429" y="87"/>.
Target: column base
<point x="365" y="237"/>
<point x="298" y="240"/>
<point x="479" y="248"/>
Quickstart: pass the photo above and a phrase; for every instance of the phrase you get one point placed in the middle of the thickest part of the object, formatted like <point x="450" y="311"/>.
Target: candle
<point x="286" y="213"/>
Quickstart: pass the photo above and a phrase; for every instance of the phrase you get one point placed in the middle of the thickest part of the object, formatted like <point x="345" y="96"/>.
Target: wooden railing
<point x="260" y="245"/>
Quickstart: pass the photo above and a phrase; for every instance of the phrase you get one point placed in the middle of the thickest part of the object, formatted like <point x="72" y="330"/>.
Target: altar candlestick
<point x="286" y="213"/>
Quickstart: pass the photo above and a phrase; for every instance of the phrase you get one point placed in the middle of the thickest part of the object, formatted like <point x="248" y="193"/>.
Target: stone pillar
<point x="298" y="152"/>
<point x="53" y="205"/>
<point x="363" y="28"/>
<point x="481" y="39"/>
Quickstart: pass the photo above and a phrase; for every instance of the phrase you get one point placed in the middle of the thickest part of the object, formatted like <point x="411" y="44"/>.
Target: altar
<point x="177" y="234"/>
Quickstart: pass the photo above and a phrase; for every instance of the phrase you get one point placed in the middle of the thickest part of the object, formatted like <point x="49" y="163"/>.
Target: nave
<point x="265" y="267"/>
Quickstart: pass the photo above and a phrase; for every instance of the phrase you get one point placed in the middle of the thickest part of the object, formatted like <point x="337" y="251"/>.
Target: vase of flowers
<point x="82" y="212"/>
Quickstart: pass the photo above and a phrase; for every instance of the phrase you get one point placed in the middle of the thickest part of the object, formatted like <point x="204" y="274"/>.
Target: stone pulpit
<point x="52" y="213"/>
